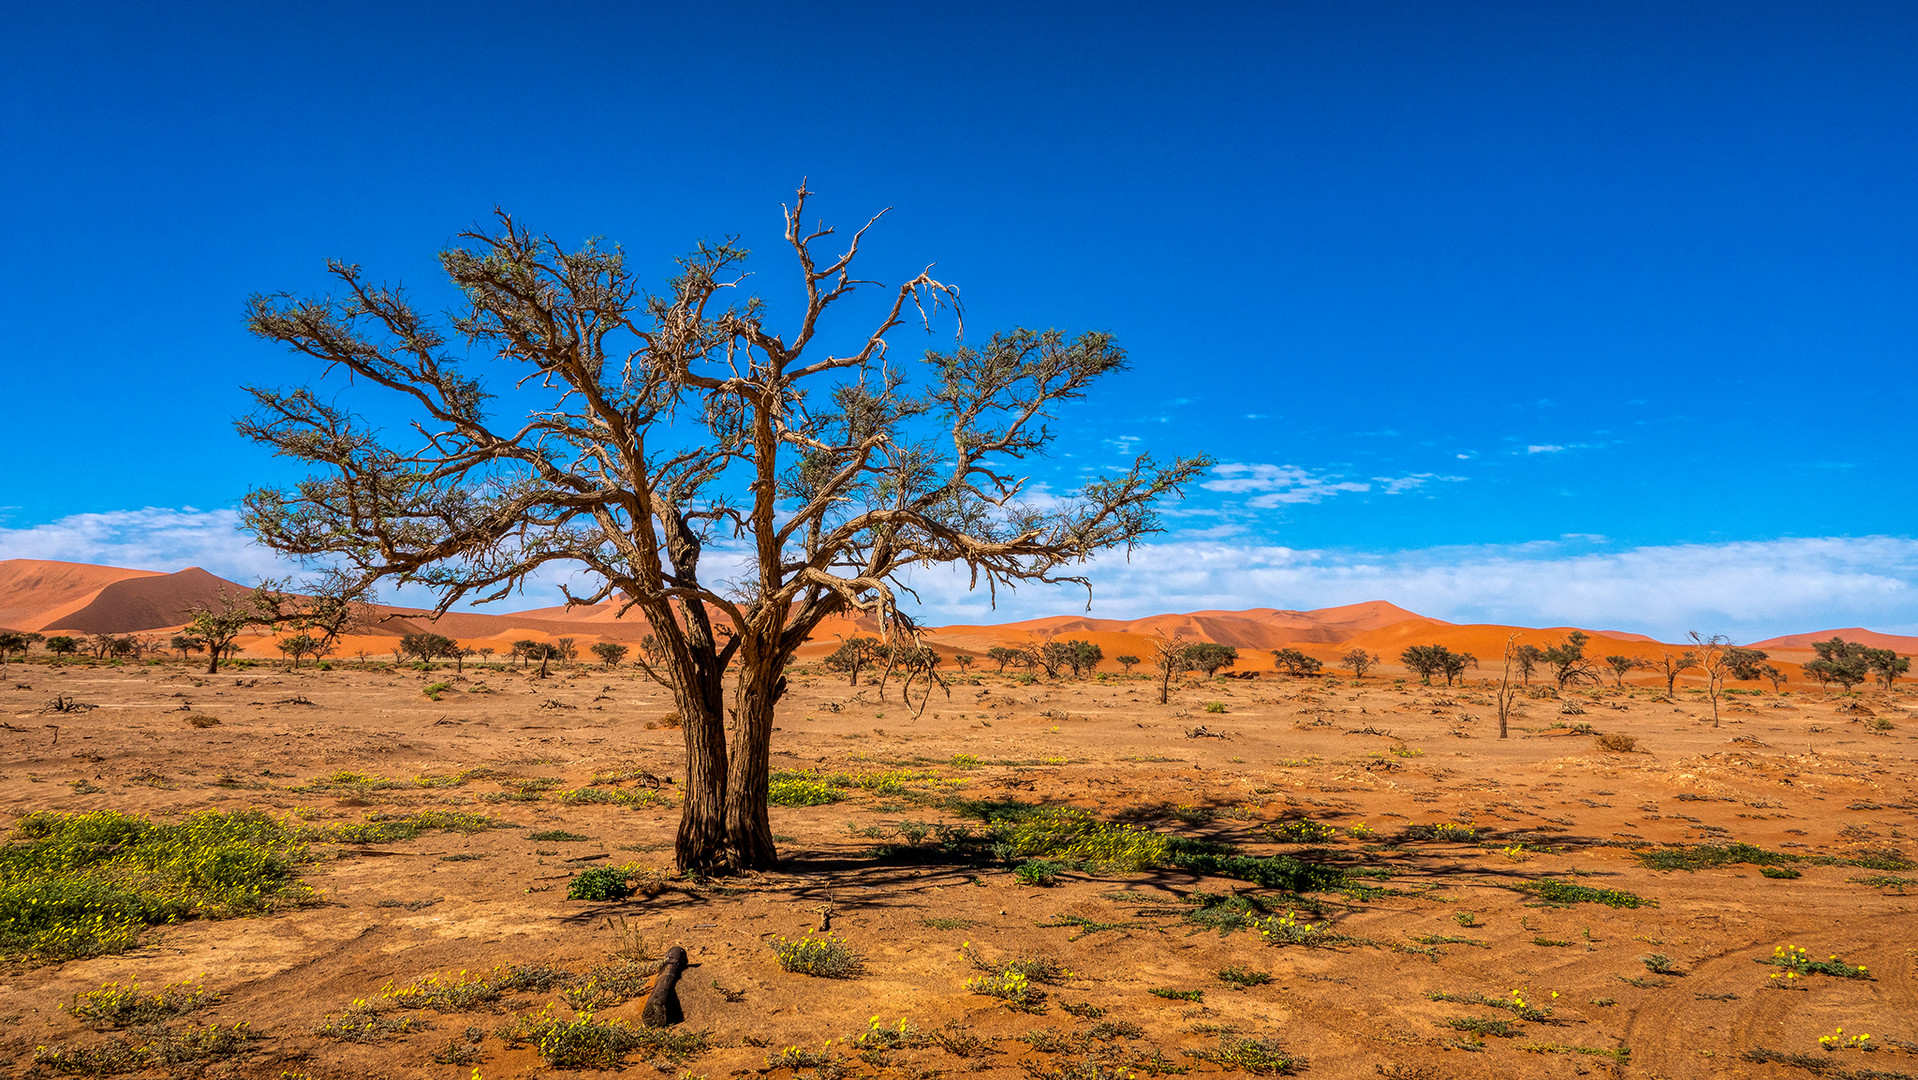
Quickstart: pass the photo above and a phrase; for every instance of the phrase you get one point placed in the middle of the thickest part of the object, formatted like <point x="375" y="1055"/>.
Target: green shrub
<point x="1041" y="872"/>
<point x="599" y="883"/>
<point x="1564" y="892"/>
<point x="1259" y="1057"/>
<point x="824" y="956"/>
<point x="800" y="789"/>
<point x="114" y="1005"/>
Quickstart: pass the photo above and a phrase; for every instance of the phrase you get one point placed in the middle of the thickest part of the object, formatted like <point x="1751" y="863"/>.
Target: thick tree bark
<point x="702" y="843"/>
<point x="748" y="826"/>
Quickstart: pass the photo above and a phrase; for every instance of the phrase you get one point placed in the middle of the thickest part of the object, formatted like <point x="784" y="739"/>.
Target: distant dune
<point x="48" y="596"/>
<point x="1859" y="634"/>
<point x="35" y="594"/>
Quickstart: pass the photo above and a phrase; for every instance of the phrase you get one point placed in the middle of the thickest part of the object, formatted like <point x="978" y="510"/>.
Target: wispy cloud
<point x="1278" y="485"/>
<point x="151" y="538"/>
<point x="1748" y="590"/>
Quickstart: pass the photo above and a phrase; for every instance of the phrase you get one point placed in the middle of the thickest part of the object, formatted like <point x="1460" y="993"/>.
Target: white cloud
<point x="1546" y="449"/>
<point x="1748" y="590"/>
<point x="153" y="538"/>
<point x="1276" y="485"/>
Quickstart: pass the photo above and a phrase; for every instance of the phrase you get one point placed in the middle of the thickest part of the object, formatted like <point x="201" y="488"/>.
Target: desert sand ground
<point x="1375" y="761"/>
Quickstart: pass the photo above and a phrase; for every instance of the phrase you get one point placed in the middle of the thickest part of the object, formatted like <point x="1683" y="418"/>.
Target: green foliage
<point x="1564" y="892"/>
<point x="1209" y="657"/>
<point x="1481" y="1025"/>
<point x="1887" y="665"/>
<point x="1843" y="662"/>
<point x="610" y="653"/>
<point x="86" y="884"/>
<point x="1040" y="872"/>
<point x="425" y="647"/>
<point x="1011" y="988"/>
<point x="788" y="788"/>
<point x="1444" y="832"/>
<point x="1286" y="929"/>
<point x="611" y="984"/>
<point x="1271" y="871"/>
<point x="586" y="1043"/>
<point x="434" y="690"/>
<point x="823" y="956"/>
<point x="600" y="883"/>
<point x="1215" y="706"/>
<point x="1701" y="856"/>
<point x="1797" y="962"/>
<point x="387" y="828"/>
<point x="168" y="1049"/>
<point x="114" y="1005"/>
<point x="557" y="836"/>
<point x="1242" y="977"/>
<point x="1426" y="661"/>
<point x="1177" y="995"/>
<point x="1071" y="833"/>
<point x="1294" y="662"/>
<point x="1259" y="1057"/>
<point x="1302" y="831"/>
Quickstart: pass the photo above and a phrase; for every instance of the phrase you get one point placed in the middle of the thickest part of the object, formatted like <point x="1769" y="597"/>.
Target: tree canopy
<point x="666" y="425"/>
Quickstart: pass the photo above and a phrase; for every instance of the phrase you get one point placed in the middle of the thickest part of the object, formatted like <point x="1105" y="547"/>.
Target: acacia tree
<point x="673" y="423"/>
<point x="1624" y="665"/>
<point x="1296" y="663"/>
<point x="1840" y="661"/>
<point x="1568" y="661"/>
<point x="1887" y="665"/>
<point x="1670" y="664"/>
<point x="218" y="623"/>
<point x="1360" y="662"/>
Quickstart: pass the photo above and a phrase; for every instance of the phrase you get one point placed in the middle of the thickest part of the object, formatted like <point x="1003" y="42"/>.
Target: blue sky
<point x="1537" y="313"/>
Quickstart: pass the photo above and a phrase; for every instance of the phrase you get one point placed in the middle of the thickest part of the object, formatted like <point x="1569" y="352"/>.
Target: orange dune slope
<point x="1869" y="638"/>
<point x="37" y="593"/>
<point x="154" y="602"/>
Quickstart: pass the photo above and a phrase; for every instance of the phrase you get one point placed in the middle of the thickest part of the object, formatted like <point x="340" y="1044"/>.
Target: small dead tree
<point x="1507" y="693"/>
<point x="672" y="423"/>
<point x="1171" y="656"/>
<point x="1714" y="655"/>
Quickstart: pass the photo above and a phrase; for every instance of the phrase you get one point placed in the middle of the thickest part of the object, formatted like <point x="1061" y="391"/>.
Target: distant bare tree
<point x="1507" y="693"/>
<point x="1359" y="661"/>
<point x="1713" y="658"/>
<point x="1670" y="664"/>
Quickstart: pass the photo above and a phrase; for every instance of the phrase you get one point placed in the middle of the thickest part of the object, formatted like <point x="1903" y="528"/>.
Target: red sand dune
<point x="147" y="603"/>
<point x="42" y="595"/>
<point x="37" y="593"/>
<point x="1859" y="634"/>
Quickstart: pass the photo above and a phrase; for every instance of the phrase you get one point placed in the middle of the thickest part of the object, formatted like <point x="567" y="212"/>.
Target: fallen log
<point x="662" y="1006"/>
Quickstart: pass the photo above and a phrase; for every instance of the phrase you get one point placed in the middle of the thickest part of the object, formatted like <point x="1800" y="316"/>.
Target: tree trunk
<point x="701" y="844"/>
<point x="748" y="826"/>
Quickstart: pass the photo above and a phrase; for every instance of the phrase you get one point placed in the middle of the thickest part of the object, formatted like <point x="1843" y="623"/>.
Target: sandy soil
<point x="1789" y="773"/>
